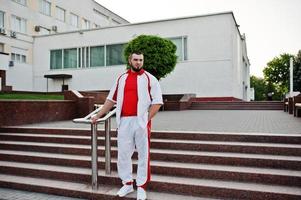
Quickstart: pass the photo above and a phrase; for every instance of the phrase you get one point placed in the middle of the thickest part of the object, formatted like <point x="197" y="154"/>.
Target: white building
<point x="212" y="56"/>
<point x="20" y="20"/>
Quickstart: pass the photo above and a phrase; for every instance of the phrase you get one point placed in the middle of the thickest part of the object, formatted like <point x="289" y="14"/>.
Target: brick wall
<point x="17" y="112"/>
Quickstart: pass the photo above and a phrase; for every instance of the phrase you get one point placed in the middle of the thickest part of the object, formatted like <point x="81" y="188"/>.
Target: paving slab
<point x="228" y="121"/>
<point x="10" y="194"/>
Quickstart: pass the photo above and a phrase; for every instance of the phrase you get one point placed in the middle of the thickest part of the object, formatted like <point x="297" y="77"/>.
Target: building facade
<point x="20" y="20"/>
<point x="212" y="56"/>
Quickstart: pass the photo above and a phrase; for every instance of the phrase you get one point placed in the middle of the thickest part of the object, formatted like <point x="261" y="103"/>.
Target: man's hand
<point x="106" y="108"/>
<point x="94" y="118"/>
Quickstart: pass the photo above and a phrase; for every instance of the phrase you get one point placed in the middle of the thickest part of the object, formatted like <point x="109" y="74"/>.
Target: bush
<point x="159" y="54"/>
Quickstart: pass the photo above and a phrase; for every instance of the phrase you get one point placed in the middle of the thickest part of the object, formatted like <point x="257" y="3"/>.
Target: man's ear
<point x="129" y="60"/>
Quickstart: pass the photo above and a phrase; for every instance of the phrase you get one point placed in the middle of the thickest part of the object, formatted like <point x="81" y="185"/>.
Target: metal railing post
<point x="94" y="156"/>
<point x="108" y="146"/>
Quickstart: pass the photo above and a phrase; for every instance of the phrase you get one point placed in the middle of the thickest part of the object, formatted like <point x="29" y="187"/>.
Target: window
<point x="22" y="2"/>
<point x="97" y="56"/>
<point x="18" y="24"/>
<point x="60" y="13"/>
<point x="19" y="58"/>
<point x="1" y="47"/>
<point x="73" y="20"/>
<point x="1" y="19"/>
<point x="70" y="58"/>
<point x="86" y="24"/>
<point x="86" y="57"/>
<point x="45" y="7"/>
<point x="56" y="59"/>
<point x="23" y="59"/>
<point x="96" y="26"/>
<point x="181" y="43"/>
<point x="114" y="54"/>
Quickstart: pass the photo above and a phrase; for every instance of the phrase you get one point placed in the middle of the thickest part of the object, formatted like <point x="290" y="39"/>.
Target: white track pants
<point x="131" y="136"/>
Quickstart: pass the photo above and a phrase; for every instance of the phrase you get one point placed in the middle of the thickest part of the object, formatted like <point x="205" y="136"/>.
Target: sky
<point x="272" y="27"/>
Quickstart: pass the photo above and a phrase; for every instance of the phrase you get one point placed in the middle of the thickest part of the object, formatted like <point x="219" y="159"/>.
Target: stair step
<point x="203" y="171"/>
<point x="183" y="135"/>
<point x="219" y="146"/>
<point x="80" y="190"/>
<point x="181" y="186"/>
<point x="238" y="159"/>
<point x="234" y="147"/>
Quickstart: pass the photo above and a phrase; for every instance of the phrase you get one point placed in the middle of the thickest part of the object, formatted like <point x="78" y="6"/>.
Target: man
<point x="138" y="98"/>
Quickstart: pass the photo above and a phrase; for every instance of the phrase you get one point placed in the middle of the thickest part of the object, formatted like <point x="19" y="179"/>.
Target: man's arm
<point x="106" y="108"/>
<point x="153" y="110"/>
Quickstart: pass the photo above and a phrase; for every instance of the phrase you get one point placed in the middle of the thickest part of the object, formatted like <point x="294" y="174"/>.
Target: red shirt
<point x="130" y="99"/>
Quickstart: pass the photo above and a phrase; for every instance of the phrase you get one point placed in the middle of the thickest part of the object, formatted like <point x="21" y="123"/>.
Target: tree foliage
<point x="259" y="87"/>
<point x="262" y="88"/>
<point x="277" y="72"/>
<point x="159" y="54"/>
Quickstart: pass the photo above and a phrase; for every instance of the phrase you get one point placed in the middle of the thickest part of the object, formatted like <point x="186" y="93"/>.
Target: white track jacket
<point x="149" y="92"/>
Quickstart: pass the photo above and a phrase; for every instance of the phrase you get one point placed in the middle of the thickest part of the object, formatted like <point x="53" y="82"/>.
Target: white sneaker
<point x="141" y="194"/>
<point x="126" y="189"/>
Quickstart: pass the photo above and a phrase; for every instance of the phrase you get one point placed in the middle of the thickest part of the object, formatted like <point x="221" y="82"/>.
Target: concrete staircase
<point x="236" y="105"/>
<point x="184" y="165"/>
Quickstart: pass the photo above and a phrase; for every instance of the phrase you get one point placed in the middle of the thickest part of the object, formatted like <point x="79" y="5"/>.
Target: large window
<point x="18" y="24"/>
<point x="86" y="24"/>
<point x="22" y="2"/>
<point x="45" y="7"/>
<point x="56" y="59"/>
<point x="114" y="54"/>
<point x="18" y="55"/>
<point x="60" y="13"/>
<point x="181" y="43"/>
<point x="97" y="56"/>
<point x="73" y="20"/>
<point x="86" y="57"/>
<point x="70" y="58"/>
<point x="1" y="19"/>
<point x="18" y="58"/>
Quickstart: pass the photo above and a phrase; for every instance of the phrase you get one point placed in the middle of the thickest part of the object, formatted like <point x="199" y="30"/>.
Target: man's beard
<point x="136" y="69"/>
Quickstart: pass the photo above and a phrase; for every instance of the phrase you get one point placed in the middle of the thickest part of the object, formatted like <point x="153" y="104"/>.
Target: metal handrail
<point x="94" y="158"/>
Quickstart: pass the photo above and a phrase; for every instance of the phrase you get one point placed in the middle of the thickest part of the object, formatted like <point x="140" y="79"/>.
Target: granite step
<point x="196" y="145"/>
<point x="234" y="159"/>
<point x="202" y="171"/>
<point x="182" y="135"/>
<point x="80" y="190"/>
<point x="176" y="186"/>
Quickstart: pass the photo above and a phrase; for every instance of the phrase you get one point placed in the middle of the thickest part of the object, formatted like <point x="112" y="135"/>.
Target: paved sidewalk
<point x="243" y="121"/>
<point x="9" y="194"/>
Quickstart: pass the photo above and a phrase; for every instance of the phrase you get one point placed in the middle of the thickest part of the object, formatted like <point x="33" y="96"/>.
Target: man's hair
<point x="136" y="52"/>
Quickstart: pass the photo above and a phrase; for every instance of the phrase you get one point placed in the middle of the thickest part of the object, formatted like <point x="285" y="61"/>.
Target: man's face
<point x="136" y="61"/>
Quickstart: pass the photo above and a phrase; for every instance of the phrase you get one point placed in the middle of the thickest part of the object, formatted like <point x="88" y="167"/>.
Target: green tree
<point x="297" y="72"/>
<point x="277" y="72"/>
<point x="262" y="88"/>
<point x="159" y="54"/>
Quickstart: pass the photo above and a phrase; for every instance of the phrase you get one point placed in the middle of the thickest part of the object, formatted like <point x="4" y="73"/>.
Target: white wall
<point x="20" y="77"/>
<point x="4" y="61"/>
<point x="207" y="72"/>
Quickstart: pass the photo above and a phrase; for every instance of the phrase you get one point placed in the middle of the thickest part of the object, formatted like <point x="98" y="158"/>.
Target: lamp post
<point x="291" y="77"/>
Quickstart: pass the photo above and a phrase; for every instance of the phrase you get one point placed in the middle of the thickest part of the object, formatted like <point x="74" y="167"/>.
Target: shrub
<point x="159" y="54"/>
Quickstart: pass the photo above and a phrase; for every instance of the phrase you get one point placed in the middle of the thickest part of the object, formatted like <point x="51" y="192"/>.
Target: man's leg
<point x="126" y="147"/>
<point x="142" y="141"/>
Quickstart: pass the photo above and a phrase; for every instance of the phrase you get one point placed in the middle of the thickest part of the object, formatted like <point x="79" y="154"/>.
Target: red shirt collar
<point x="138" y="73"/>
